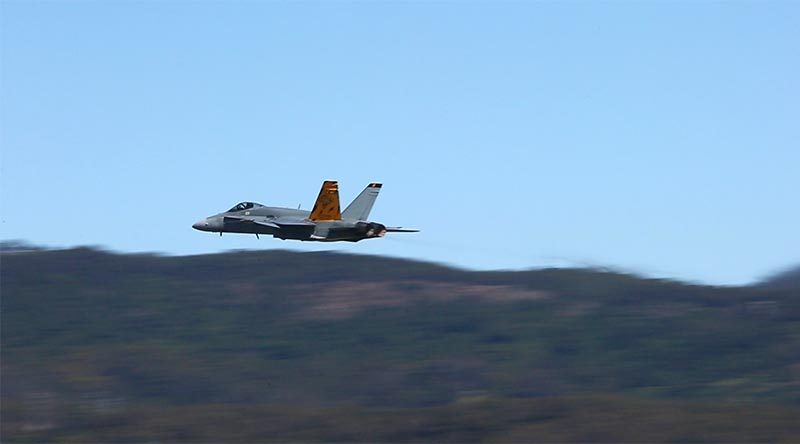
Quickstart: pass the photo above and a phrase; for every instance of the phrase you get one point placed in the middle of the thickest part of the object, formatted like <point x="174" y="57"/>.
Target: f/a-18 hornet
<point x="324" y="223"/>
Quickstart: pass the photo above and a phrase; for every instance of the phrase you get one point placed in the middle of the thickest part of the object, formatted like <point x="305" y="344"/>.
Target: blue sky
<point x="654" y="137"/>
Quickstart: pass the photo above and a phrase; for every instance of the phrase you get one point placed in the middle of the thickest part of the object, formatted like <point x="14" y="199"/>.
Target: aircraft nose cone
<point x="201" y="225"/>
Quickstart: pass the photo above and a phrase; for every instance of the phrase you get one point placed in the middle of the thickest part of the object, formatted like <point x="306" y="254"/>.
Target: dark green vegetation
<point x="786" y="279"/>
<point x="280" y="346"/>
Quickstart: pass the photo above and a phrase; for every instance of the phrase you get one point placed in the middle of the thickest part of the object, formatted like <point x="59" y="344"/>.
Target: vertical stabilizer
<point x="360" y="207"/>
<point x="327" y="205"/>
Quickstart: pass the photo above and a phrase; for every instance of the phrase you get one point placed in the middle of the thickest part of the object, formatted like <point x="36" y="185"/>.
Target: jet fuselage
<point x="324" y="223"/>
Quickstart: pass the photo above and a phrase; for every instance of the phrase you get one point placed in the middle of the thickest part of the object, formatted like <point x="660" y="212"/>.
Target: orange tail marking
<point x="327" y="205"/>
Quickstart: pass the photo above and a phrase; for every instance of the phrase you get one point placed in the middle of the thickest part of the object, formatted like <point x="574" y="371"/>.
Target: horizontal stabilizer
<point x="401" y="230"/>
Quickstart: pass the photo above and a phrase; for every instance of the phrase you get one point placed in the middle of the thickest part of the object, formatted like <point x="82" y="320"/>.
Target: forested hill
<point x="98" y="345"/>
<point x="787" y="279"/>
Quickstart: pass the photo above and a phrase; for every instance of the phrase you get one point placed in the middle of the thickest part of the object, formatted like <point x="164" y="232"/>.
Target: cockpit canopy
<point x="243" y="206"/>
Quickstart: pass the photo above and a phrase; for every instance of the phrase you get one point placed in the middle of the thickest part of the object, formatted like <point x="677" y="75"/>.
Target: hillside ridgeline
<point x="334" y="347"/>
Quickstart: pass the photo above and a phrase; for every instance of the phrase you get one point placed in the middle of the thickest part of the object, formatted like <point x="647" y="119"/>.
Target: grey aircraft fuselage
<point x="323" y="224"/>
<point x="288" y="223"/>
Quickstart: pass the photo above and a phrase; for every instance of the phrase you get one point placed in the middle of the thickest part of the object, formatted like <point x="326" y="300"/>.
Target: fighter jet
<point x="325" y="223"/>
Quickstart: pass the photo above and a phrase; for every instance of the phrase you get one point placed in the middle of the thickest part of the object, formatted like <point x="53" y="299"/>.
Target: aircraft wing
<point x="298" y="223"/>
<point x="246" y="220"/>
<point x="265" y="224"/>
<point x="272" y="223"/>
<point x="291" y="221"/>
<point x="401" y="230"/>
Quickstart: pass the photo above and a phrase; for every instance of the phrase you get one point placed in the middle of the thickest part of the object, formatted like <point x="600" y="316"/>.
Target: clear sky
<point x="655" y="137"/>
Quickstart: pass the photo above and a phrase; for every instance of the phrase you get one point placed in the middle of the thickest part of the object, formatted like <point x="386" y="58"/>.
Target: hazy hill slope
<point x="85" y="327"/>
<point x="788" y="279"/>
